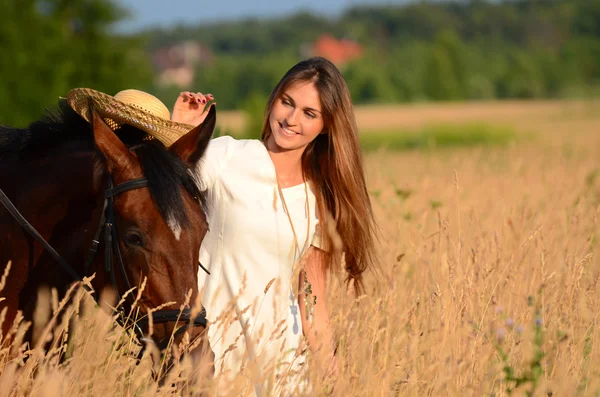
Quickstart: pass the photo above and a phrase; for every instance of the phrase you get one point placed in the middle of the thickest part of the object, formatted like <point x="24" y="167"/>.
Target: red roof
<point x="337" y="51"/>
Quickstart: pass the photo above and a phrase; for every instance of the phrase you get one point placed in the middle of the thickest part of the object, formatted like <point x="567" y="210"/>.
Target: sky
<point x="165" y="13"/>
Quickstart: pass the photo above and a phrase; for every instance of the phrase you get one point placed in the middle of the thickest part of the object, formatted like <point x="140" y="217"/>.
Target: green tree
<point x="522" y="78"/>
<point x="55" y="45"/>
<point x="234" y="79"/>
<point x="445" y="72"/>
<point x="254" y="109"/>
<point x="436" y="50"/>
<point x="369" y="82"/>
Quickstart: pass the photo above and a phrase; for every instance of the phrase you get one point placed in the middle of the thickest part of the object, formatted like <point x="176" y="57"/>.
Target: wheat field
<point x="487" y="283"/>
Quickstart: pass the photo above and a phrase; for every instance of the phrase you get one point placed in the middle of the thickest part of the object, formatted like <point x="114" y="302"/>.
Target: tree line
<point x="420" y="51"/>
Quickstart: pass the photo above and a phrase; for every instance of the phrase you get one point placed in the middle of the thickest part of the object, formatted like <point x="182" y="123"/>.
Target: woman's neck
<point x="288" y="165"/>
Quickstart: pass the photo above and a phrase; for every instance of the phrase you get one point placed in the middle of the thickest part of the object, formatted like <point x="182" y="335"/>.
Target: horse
<point x="82" y="199"/>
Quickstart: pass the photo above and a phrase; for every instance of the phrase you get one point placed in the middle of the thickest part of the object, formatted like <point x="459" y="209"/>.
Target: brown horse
<point x="116" y="204"/>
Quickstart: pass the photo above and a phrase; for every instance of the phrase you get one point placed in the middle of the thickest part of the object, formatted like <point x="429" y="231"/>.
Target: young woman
<point x="283" y="212"/>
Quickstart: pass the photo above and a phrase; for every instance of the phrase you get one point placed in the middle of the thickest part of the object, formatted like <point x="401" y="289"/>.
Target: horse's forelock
<point x="166" y="175"/>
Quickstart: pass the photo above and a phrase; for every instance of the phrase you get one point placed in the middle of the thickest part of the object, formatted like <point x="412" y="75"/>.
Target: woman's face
<point x="296" y="118"/>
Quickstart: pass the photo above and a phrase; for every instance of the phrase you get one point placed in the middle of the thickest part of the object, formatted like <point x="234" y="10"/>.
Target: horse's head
<point x="159" y="227"/>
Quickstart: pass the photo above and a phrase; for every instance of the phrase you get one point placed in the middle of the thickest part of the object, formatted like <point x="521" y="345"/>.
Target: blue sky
<point x="165" y="13"/>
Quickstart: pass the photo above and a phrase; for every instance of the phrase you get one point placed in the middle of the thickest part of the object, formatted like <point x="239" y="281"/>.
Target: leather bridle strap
<point x="165" y="316"/>
<point x="38" y="237"/>
<point x="108" y="195"/>
<point x="111" y="245"/>
<point x="125" y="186"/>
<point x="110" y="232"/>
<point x="93" y="249"/>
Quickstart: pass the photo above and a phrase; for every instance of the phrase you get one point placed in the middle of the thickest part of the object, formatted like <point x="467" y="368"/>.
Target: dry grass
<point x="488" y="257"/>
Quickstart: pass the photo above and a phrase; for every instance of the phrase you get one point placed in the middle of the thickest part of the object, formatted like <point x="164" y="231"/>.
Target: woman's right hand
<point x="190" y="108"/>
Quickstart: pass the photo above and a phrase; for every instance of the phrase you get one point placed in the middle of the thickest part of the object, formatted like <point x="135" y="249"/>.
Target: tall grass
<point x="487" y="286"/>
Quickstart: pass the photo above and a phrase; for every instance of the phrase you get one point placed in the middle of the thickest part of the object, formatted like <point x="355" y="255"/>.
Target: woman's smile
<point x="287" y="131"/>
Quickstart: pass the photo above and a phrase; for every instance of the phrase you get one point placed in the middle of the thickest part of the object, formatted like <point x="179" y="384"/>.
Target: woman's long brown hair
<point x="333" y="164"/>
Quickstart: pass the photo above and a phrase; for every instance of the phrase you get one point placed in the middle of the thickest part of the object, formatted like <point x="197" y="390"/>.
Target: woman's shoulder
<point x="229" y="142"/>
<point x="226" y="146"/>
<point x="222" y="142"/>
<point x="223" y="149"/>
<point x="228" y="154"/>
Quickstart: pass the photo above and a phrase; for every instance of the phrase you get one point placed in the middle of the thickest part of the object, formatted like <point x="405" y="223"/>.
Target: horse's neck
<point x="58" y="196"/>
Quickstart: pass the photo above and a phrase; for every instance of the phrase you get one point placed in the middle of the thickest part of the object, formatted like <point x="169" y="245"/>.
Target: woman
<point x="271" y="204"/>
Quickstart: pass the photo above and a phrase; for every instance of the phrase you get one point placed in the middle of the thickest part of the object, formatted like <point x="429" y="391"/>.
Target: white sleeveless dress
<point x="249" y="252"/>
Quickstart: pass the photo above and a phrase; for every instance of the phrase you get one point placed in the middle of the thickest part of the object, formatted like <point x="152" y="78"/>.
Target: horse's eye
<point x="133" y="239"/>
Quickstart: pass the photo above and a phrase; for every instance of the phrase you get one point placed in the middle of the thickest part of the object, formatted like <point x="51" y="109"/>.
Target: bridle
<point x="111" y="249"/>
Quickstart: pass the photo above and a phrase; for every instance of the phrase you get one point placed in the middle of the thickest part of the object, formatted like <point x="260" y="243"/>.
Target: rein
<point x="111" y="246"/>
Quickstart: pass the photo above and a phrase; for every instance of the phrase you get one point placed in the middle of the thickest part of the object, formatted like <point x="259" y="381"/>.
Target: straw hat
<point x="132" y="107"/>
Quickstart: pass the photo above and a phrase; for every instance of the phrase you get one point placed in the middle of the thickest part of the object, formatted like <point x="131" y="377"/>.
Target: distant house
<point x="337" y="51"/>
<point x="176" y="64"/>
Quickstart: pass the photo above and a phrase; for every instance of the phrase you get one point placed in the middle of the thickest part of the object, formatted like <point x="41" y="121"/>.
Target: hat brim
<point x="116" y="113"/>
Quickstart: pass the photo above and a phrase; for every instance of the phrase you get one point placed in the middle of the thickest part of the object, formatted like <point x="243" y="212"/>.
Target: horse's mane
<point x="61" y="126"/>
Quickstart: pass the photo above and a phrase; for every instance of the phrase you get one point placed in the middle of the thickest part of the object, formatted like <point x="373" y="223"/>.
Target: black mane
<point x="59" y="125"/>
<point x="165" y="173"/>
<point x="62" y="127"/>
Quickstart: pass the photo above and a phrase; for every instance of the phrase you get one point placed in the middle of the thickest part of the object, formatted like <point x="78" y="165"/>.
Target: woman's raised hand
<point x="190" y="108"/>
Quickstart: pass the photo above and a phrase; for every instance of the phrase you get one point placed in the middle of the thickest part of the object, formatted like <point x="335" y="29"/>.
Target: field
<point x="488" y="276"/>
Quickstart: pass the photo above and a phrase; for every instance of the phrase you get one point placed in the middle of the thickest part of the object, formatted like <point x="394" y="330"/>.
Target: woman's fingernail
<point x="204" y="101"/>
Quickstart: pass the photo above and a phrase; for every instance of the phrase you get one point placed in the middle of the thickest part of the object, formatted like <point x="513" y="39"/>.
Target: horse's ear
<point x="118" y="157"/>
<point x="192" y="145"/>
